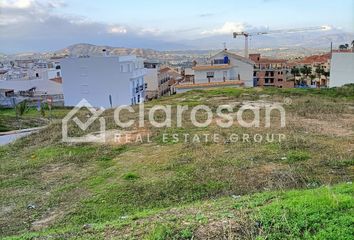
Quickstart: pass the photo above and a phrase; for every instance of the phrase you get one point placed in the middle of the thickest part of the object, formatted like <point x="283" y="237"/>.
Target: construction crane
<point x="247" y="35"/>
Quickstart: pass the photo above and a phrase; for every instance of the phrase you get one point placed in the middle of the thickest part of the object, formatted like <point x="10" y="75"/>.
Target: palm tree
<point x="343" y="46"/>
<point x="305" y="70"/>
<point x="320" y="71"/>
<point x="296" y="72"/>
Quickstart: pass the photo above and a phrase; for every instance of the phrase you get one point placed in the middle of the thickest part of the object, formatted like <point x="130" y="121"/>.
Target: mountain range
<point x="290" y="44"/>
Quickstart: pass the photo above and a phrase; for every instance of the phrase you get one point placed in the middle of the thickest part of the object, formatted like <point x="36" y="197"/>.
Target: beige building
<point x="160" y="80"/>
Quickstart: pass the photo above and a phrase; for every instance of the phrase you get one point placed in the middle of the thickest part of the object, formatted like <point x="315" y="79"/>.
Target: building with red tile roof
<point x="270" y="72"/>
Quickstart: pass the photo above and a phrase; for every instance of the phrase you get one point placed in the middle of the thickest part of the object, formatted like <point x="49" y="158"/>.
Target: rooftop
<point x="234" y="55"/>
<point x="211" y="67"/>
<point x="315" y="59"/>
<point x="212" y="84"/>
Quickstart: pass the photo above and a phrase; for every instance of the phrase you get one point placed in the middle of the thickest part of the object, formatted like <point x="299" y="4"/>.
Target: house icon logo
<point x="99" y="137"/>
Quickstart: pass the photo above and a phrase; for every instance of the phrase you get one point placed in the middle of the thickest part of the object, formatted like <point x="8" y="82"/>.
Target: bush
<point x="130" y="176"/>
<point x="21" y="108"/>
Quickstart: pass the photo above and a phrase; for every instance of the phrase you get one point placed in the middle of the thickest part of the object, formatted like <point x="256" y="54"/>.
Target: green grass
<point x="31" y="118"/>
<point x="130" y="176"/>
<point x="320" y="213"/>
<point x="324" y="213"/>
<point x="296" y="156"/>
<point x="176" y="190"/>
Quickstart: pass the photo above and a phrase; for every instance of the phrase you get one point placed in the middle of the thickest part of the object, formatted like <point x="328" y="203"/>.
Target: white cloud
<point x="227" y="28"/>
<point x="152" y="31"/>
<point x="327" y="28"/>
<point x="117" y="30"/>
<point x="36" y="25"/>
<point x="21" y="4"/>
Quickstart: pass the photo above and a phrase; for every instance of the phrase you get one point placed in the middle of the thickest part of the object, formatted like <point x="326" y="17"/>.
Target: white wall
<point x="96" y="78"/>
<point x="244" y="69"/>
<point x="246" y="73"/>
<point x="41" y="85"/>
<point x="151" y="78"/>
<point x="201" y="76"/>
<point x="342" y="69"/>
<point x="53" y="73"/>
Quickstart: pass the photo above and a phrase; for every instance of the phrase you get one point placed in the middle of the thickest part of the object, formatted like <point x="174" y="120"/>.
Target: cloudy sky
<point x="38" y="25"/>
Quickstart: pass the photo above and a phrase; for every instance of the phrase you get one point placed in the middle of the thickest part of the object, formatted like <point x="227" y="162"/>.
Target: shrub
<point x="21" y="108"/>
<point x="130" y="176"/>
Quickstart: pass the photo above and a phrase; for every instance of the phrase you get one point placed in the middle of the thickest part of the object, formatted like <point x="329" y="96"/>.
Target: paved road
<point x="9" y="137"/>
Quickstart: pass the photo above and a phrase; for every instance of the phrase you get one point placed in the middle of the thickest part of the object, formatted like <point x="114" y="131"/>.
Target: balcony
<point x="140" y="88"/>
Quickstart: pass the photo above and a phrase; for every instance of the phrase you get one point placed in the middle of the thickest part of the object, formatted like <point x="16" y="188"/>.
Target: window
<point x="210" y="74"/>
<point x="218" y="61"/>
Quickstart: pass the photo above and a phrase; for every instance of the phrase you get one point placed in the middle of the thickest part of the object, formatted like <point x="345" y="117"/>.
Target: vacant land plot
<point x="297" y="188"/>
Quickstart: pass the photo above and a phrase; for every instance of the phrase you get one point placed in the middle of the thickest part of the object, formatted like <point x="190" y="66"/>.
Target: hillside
<point x="299" y="188"/>
<point x="81" y="49"/>
<point x="89" y="49"/>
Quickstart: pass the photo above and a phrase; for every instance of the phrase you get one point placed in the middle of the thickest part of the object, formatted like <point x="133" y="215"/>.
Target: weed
<point x="130" y="176"/>
<point x="297" y="156"/>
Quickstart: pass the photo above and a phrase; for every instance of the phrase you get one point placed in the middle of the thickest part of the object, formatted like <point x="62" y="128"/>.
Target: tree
<point x="312" y="77"/>
<point x="319" y="70"/>
<point x="343" y="46"/>
<point x="305" y="70"/>
<point x="295" y="72"/>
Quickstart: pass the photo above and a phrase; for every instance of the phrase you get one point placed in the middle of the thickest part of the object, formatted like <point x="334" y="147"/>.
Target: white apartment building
<point x="342" y="69"/>
<point x="225" y="66"/>
<point x="157" y="80"/>
<point x="39" y="75"/>
<point x="108" y="81"/>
